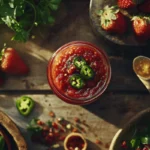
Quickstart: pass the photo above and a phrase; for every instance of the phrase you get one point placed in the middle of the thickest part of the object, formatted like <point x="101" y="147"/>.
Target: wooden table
<point x="123" y="99"/>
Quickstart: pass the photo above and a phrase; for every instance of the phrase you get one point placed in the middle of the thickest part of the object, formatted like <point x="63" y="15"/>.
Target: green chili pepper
<point x="79" y="61"/>
<point x="24" y="105"/>
<point x="87" y="72"/>
<point x="76" y="81"/>
<point x="2" y="143"/>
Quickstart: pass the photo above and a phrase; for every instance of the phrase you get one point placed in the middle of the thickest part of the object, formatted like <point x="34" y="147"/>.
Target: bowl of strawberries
<point x="124" y="22"/>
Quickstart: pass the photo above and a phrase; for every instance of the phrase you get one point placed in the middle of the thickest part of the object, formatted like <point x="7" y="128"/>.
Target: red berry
<point x="55" y="125"/>
<point x="51" y="114"/>
<point x="141" y="27"/>
<point x="12" y="63"/>
<point x="126" y="4"/>
<point x="112" y="20"/>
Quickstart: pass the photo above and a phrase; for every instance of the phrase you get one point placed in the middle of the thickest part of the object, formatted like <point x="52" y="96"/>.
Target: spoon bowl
<point x="141" y="67"/>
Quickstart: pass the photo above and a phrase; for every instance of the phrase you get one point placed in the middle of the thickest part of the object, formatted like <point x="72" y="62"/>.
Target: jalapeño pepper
<point x="79" y="61"/>
<point x="76" y="81"/>
<point x="87" y="72"/>
<point x="24" y="105"/>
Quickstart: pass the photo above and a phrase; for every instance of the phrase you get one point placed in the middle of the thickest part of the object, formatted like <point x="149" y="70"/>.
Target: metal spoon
<point x="137" y="63"/>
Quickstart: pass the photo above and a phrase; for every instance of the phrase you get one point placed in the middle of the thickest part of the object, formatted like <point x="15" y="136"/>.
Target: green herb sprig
<point x="22" y="15"/>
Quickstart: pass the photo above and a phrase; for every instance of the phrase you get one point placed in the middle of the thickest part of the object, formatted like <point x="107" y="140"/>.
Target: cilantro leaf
<point x="22" y="15"/>
<point x="33" y="126"/>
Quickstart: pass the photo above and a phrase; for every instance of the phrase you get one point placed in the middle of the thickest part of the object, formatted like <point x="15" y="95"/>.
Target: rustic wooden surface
<point x="124" y="98"/>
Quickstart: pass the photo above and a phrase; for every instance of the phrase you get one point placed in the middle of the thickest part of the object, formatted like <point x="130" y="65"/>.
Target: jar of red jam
<point x="79" y="72"/>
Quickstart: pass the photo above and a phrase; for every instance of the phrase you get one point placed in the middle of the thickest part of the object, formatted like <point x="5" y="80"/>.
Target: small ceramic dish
<point x="130" y="129"/>
<point x="75" y="141"/>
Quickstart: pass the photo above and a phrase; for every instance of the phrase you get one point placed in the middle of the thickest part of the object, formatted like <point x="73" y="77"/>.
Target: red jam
<point x="61" y="68"/>
<point x="75" y="142"/>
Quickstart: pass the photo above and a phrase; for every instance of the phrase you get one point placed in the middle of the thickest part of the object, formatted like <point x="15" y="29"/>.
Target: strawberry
<point x="125" y="4"/>
<point x="112" y="20"/>
<point x="141" y="27"/>
<point x="12" y="63"/>
<point x="145" y="7"/>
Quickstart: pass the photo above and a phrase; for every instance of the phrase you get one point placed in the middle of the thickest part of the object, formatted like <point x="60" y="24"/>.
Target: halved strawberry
<point x="125" y="4"/>
<point x="141" y="27"/>
<point x="145" y="7"/>
<point x="112" y="20"/>
<point x="12" y="63"/>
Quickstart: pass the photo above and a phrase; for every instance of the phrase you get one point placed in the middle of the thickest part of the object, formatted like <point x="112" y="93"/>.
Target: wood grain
<point x="103" y="118"/>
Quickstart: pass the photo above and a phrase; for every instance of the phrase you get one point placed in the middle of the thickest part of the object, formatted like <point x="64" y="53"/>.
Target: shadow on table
<point x="92" y="146"/>
<point x="118" y="109"/>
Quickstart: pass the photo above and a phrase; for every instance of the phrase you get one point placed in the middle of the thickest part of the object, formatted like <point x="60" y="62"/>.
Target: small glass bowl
<point x="61" y="67"/>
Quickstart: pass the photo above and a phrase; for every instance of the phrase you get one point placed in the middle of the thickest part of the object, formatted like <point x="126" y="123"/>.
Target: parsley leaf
<point x="22" y="15"/>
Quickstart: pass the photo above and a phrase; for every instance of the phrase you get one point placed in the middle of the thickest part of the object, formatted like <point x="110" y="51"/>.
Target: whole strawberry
<point x="145" y="6"/>
<point x="112" y="20"/>
<point x="141" y="27"/>
<point x="12" y="63"/>
<point x="125" y="4"/>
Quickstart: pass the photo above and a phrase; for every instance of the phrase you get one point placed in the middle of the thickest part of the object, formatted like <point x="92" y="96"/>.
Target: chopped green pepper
<point x="87" y="72"/>
<point x="76" y="81"/>
<point x="24" y="105"/>
<point x="79" y="61"/>
<point x="2" y="143"/>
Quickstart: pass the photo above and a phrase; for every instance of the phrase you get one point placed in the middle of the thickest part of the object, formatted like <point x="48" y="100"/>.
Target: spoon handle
<point x="146" y="83"/>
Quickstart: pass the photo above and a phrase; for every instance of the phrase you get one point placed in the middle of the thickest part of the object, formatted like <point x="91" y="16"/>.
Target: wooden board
<point x="103" y="118"/>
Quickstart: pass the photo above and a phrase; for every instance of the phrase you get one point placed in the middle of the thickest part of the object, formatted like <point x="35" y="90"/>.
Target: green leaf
<point x="11" y="4"/>
<point x="55" y="1"/>
<point x="21" y="15"/>
<point x="33" y="126"/>
<point x="135" y="143"/>
<point x="145" y="140"/>
<point x="5" y="10"/>
<point x="8" y="20"/>
<point x="49" y="123"/>
<point x="21" y="36"/>
<point x="53" y="7"/>
<point x="51" y="19"/>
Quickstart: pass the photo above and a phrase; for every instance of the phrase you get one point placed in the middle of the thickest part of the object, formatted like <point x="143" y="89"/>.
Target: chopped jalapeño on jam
<point x="87" y="72"/>
<point x="76" y="81"/>
<point x="79" y="61"/>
